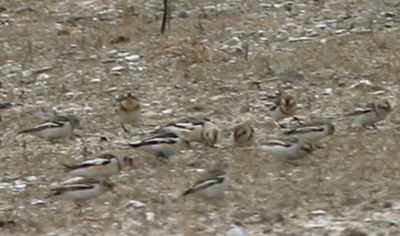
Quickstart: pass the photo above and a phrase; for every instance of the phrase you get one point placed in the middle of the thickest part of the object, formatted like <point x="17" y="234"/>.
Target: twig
<point x="164" y="20"/>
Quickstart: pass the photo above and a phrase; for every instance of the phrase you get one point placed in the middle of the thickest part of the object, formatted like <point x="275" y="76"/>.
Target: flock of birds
<point x="168" y="140"/>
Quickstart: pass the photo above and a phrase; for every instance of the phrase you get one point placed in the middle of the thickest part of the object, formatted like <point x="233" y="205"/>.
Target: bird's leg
<point x="123" y="127"/>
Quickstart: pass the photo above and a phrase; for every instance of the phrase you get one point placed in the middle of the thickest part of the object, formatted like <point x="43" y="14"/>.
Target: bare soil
<point x="212" y="62"/>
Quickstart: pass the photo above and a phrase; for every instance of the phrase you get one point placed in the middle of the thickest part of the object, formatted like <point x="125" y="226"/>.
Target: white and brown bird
<point x="194" y="129"/>
<point x="212" y="184"/>
<point x="288" y="148"/>
<point x="103" y="166"/>
<point x="162" y="145"/>
<point x="83" y="189"/>
<point x="312" y="131"/>
<point x="129" y="111"/>
<point x="370" y="114"/>
<point x="284" y="106"/>
<point x="243" y="134"/>
<point x="60" y="127"/>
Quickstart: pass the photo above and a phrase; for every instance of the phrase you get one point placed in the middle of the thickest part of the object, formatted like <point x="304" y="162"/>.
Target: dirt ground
<point x="222" y="59"/>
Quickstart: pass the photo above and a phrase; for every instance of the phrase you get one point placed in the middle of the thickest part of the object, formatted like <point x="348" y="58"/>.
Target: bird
<point x="129" y="111"/>
<point x="312" y="131"/>
<point x="287" y="148"/>
<point x="103" y="166"/>
<point x="210" y="134"/>
<point x="243" y="134"/>
<point x="284" y="106"/>
<point x="83" y="189"/>
<point x="194" y="129"/>
<point x="372" y="113"/>
<point x="60" y="127"/>
<point x="162" y="145"/>
<point x="189" y="128"/>
<point x="213" y="184"/>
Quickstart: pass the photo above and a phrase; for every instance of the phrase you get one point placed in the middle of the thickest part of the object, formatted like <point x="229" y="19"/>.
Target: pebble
<point x="318" y="212"/>
<point x="327" y="91"/>
<point x="118" y="68"/>
<point x="135" y="204"/>
<point x="96" y="80"/>
<point x="31" y="178"/>
<point x="340" y="31"/>
<point x="26" y="73"/>
<point x="132" y="58"/>
<point x="37" y="202"/>
<point x="150" y="216"/>
<point x="43" y="69"/>
<point x="43" y="76"/>
<point x="166" y="112"/>
<point x="291" y="39"/>
<point x="111" y="89"/>
<point x="325" y="73"/>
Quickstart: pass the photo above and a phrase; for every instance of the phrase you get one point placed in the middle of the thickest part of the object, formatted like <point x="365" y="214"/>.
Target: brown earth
<point x="197" y="66"/>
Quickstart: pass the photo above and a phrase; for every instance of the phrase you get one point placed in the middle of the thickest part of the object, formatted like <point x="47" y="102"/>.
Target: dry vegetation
<point x="355" y="179"/>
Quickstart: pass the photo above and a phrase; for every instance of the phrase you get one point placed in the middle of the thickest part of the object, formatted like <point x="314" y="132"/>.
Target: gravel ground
<point x="224" y="60"/>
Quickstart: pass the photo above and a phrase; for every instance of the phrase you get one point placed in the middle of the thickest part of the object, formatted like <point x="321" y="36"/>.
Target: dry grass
<point x="350" y="179"/>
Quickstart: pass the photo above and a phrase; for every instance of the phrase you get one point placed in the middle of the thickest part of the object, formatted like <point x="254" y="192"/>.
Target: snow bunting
<point x="372" y="113"/>
<point x="161" y="144"/>
<point x="284" y="106"/>
<point x="194" y="129"/>
<point x="105" y="165"/>
<point x="213" y="183"/>
<point x="210" y="134"/>
<point x="312" y="131"/>
<point x="83" y="190"/>
<point x="129" y="111"/>
<point x="243" y="134"/>
<point x="287" y="148"/>
<point x="60" y="127"/>
<point x="189" y="128"/>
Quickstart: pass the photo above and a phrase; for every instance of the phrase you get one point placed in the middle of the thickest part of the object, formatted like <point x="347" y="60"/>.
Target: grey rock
<point x="325" y="73"/>
<point x="291" y="76"/>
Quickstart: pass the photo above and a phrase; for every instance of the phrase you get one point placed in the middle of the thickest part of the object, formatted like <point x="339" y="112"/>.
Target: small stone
<point x="132" y="58"/>
<point x="387" y="204"/>
<point x="69" y="94"/>
<point x="111" y="89"/>
<point x="108" y="60"/>
<point x="118" y="68"/>
<point x="43" y="76"/>
<point x="150" y="216"/>
<point x="341" y="31"/>
<point x="31" y="178"/>
<point x="291" y="76"/>
<point x="135" y="204"/>
<point x="43" y="69"/>
<point x="26" y="73"/>
<point x="291" y="39"/>
<point x="325" y="73"/>
<point x="20" y="186"/>
<point x="327" y="91"/>
<point x="166" y="112"/>
<point x="318" y="212"/>
<point x="96" y="80"/>
<point x="200" y="170"/>
<point x="37" y="202"/>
